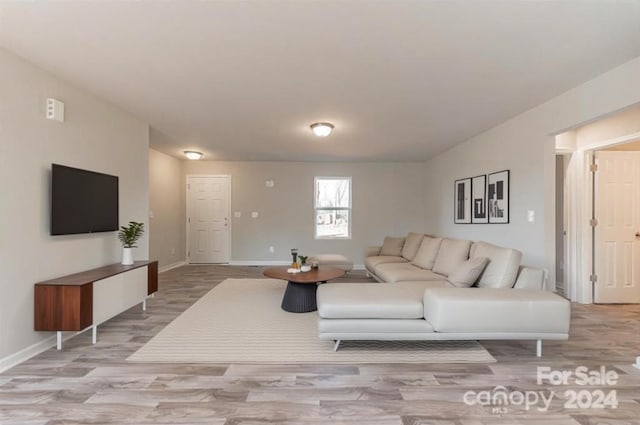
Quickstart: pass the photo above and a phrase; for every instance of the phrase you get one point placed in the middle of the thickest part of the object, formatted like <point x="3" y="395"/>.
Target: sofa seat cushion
<point x="372" y="262"/>
<point x="420" y="285"/>
<point x="451" y="254"/>
<point x="489" y="310"/>
<point x="398" y="272"/>
<point x="373" y="326"/>
<point x="368" y="301"/>
<point x="502" y="270"/>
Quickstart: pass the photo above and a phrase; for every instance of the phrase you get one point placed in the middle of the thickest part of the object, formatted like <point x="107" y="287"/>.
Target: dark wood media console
<point x="82" y="300"/>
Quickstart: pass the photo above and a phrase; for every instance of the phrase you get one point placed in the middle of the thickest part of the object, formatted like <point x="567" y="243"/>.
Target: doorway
<point x="208" y="225"/>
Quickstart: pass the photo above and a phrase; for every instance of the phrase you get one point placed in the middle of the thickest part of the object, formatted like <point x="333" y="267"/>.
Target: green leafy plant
<point x="130" y="234"/>
<point x="303" y="259"/>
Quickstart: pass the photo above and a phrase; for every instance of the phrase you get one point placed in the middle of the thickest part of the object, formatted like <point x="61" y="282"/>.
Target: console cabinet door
<point x="113" y="295"/>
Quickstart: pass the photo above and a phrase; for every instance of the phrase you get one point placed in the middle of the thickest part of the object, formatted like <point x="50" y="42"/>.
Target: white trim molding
<point x="259" y="263"/>
<point x="172" y="266"/>
<point x="26" y="353"/>
<point x="265" y="263"/>
<point x="627" y="138"/>
<point x="33" y="350"/>
<point x="579" y="189"/>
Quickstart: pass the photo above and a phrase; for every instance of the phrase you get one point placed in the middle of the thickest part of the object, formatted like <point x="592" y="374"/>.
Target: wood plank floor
<point x="94" y="384"/>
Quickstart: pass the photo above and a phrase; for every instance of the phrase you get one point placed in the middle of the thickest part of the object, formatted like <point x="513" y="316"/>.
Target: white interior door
<point x="617" y="234"/>
<point x="208" y="219"/>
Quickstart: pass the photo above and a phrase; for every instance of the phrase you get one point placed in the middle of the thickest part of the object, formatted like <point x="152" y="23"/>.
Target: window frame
<point x="316" y="208"/>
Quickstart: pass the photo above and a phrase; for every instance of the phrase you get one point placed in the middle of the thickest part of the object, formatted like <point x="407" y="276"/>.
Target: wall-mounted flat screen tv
<point x="82" y="201"/>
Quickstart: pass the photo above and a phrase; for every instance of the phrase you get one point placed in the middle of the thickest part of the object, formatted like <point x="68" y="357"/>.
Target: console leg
<point x="59" y="340"/>
<point x="144" y="305"/>
<point x="337" y="345"/>
<point x="94" y="334"/>
<point x="539" y="348"/>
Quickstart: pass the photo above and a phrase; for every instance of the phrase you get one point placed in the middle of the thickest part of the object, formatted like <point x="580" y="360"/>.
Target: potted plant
<point x="128" y="236"/>
<point x="303" y="263"/>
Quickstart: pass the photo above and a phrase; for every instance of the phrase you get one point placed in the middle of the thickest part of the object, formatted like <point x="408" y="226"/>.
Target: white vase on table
<point x="127" y="256"/>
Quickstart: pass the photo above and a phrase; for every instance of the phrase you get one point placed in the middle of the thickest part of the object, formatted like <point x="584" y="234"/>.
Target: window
<point x="333" y="207"/>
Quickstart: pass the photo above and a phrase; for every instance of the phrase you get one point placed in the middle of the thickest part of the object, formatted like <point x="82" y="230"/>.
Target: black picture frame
<point x="479" y="211"/>
<point x="498" y="198"/>
<point x="462" y="201"/>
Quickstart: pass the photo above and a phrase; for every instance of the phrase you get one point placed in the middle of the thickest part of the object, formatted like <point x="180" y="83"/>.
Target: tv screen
<point x="82" y="201"/>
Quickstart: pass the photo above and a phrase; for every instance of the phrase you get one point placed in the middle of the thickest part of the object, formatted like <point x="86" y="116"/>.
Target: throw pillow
<point x="504" y="264"/>
<point x="392" y="247"/>
<point x="411" y="245"/>
<point x="451" y="254"/>
<point x="426" y="255"/>
<point x="465" y="275"/>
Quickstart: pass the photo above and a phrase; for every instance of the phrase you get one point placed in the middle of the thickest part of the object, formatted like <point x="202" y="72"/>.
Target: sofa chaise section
<point x="387" y="311"/>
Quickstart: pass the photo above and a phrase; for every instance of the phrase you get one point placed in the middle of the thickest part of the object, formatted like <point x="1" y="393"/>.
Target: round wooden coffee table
<point x="300" y="295"/>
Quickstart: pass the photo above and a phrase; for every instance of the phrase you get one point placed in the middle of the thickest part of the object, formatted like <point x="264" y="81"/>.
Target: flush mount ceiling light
<point x="193" y="154"/>
<point x="322" y="129"/>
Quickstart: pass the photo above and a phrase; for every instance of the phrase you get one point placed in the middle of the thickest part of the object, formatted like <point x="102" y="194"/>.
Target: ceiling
<point x="401" y="80"/>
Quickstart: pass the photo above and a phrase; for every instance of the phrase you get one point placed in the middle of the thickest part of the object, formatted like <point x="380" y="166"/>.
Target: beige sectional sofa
<point x="434" y="259"/>
<point x="442" y="288"/>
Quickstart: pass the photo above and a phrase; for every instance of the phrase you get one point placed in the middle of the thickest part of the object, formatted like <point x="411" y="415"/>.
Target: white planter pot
<point x="127" y="256"/>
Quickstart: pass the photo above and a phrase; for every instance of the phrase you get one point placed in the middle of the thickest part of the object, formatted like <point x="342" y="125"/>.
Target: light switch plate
<point x="531" y="216"/>
<point x="237" y="214"/>
<point x="254" y="214"/>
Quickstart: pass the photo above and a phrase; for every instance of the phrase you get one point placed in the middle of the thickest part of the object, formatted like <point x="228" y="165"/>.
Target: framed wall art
<point x="479" y="213"/>
<point x="462" y="199"/>
<point x="498" y="197"/>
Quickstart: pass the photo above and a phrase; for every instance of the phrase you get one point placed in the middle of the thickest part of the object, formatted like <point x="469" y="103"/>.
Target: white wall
<point x="387" y="200"/>
<point x="524" y="145"/>
<point x="167" y="204"/>
<point x="95" y="136"/>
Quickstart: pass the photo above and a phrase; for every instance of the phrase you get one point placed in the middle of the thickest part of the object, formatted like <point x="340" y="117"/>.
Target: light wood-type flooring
<point x="94" y="384"/>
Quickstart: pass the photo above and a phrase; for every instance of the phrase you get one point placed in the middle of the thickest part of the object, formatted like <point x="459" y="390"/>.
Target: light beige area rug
<point x="240" y="321"/>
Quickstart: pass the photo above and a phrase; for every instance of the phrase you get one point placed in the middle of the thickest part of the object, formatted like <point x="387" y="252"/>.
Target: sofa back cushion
<point x="451" y="254"/>
<point x="392" y="247"/>
<point x="426" y="255"/>
<point x="502" y="270"/>
<point x="466" y="274"/>
<point x="411" y="244"/>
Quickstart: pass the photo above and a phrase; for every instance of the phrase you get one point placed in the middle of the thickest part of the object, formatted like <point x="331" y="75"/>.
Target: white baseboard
<point x="259" y="263"/>
<point x="26" y="353"/>
<point x="35" y="349"/>
<point x="274" y="263"/>
<point x="171" y="266"/>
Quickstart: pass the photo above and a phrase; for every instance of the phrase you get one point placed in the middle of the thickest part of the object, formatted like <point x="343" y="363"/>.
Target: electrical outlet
<point x="272" y="249"/>
<point x="254" y="214"/>
<point x="173" y="251"/>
